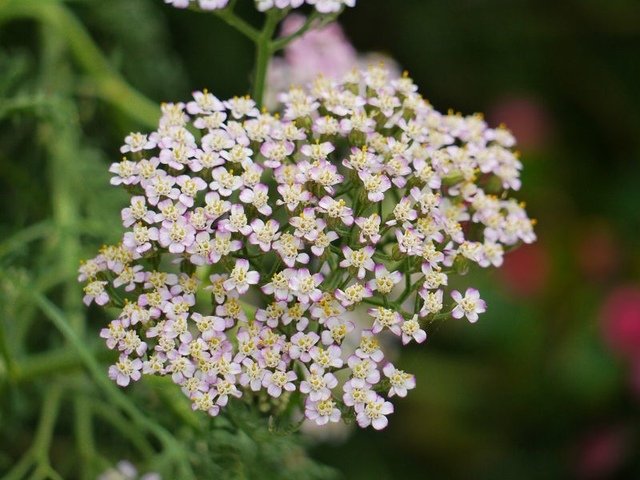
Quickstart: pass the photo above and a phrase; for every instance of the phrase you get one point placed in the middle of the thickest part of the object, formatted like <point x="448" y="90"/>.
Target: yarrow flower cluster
<point x="250" y="235"/>
<point x="322" y="6"/>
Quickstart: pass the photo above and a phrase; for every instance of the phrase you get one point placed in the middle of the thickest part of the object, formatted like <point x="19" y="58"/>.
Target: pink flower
<point x="317" y="151"/>
<point x="306" y="224"/>
<point x="336" y="209"/>
<point x="136" y="212"/>
<point x="264" y="233"/>
<point x="189" y="188"/>
<point x="177" y="236"/>
<point x="258" y="197"/>
<point x="620" y="319"/>
<point x="241" y="277"/>
<point x="205" y="102"/>
<point x="400" y="381"/>
<point x="276" y="152"/>
<point x="384" y="281"/>
<point x="385" y="318"/>
<point x="136" y="142"/>
<point x="305" y="286"/>
<point x="375" y="185"/>
<point x="252" y="374"/>
<point x="468" y="306"/>
<point x="360" y="260"/>
<point x="411" y="330"/>
<point x="224" y="181"/>
<point x="277" y="381"/>
<point x="356" y="393"/>
<point x="279" y="285"/>
<point x="140" y="239"/>
<point x="301" y="344"/>
<point x="322" y="412"/>
<point x="317" y="385"/>
<point x="364" y="369"/>
<point x="326" y="358"/>
<point x="125" y="370"/>
<point x="94" y="292"/>
<point x="237" y="221"/>
<point x="374" y="413"/>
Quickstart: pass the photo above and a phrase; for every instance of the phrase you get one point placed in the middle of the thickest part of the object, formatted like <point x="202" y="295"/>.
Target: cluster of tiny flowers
<point x="125" y="470"/>
<point x="322" y="6"/>
<point x="250" y="236"/>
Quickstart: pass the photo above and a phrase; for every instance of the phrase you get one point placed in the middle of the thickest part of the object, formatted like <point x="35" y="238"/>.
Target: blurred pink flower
<point x="325" y="51"/>
<point x="601" y="453"/>
<point x="620" y="317"/>
<point x="526" y="270"/>
<point x="526" y="117"/>
<point x="635" y="378"/>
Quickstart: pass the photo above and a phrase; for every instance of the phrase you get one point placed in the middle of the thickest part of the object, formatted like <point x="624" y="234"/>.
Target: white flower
<point x="400" y="380"/>
<point x="374" y="413"/>
<point x="317" y="385"/>
<point x="277" y="381"/>
<point x="241" y="277"/>
<point x="94" y="292"/>
<point x="125" y="370"/>
<point x="359" y="259"/>
<point x="468" y="306"/>
<point x="322" y="412"/>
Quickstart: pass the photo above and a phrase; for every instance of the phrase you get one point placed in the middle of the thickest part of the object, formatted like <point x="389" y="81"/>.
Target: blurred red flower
<point x="527" y="119"/>
<point x="526" y="270"/>
<point x="620" y="318"/>
<point x="600" y="453"/>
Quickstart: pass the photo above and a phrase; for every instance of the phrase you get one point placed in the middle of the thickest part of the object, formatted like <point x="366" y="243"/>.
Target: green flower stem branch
<point x="264" y="53"/>
<point x="109" y="85"/>
<point x="38" y="454"/>
<point x="265" y="43"/>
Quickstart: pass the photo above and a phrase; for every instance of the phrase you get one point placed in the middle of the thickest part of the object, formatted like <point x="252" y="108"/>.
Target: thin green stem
<point x="264" y="54"/>
<point x="121" y="424"/>
<point x="6" y="352"/>
<point x="280" y="43"/>
<point x="38" y="453"/>
<point x="50" y="362"/>
<point x="239" y="24"/>
<point x="24" y="236"/>
<point x="232" y="20"/>
<point x="84" y="434"/>
<point x="170" y="445"/>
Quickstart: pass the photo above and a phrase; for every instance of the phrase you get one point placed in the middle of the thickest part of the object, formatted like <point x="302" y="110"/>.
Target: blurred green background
<point x="546" y="385"/>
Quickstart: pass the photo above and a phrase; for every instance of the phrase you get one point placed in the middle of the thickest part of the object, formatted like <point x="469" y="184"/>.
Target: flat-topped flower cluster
<point x="322" y="6"/>
<point x="249" y="237"/>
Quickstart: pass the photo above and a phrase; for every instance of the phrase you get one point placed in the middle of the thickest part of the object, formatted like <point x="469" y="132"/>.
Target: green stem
<point x="239" y="24"/>
<point x="48" y="363"/>
<point x="110" y="86"/>
<point x="121" y="424"/>
<point x="84" y="434"/>
<point x="28" y="234"/>
<point x="280" y="43"/>
<point x="6" y="353"/>
<point x="171" y="446"/>
<point x="38" y="453"/>
<point x="263" y="55"/>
